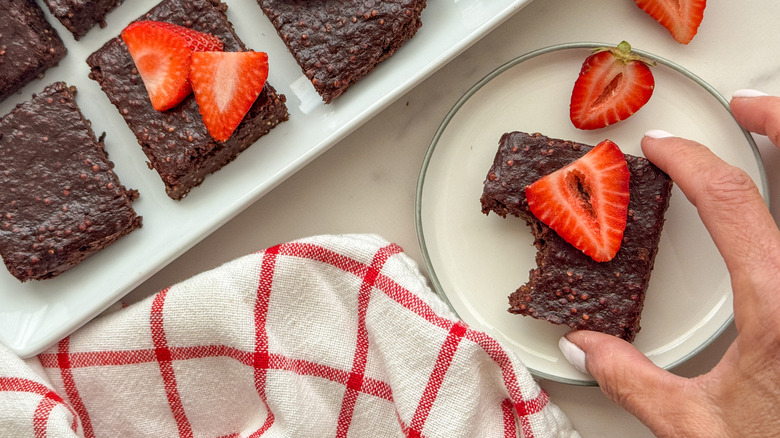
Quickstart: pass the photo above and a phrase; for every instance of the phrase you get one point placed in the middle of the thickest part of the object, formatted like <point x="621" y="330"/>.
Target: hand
<point x="740" y="396"/>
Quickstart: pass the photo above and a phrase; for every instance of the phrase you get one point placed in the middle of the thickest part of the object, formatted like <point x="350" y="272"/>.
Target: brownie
<point x="61" y="200"/>
<point x="337" y="42"/>
<point x="28" y="45"/>
<point x="567" y="286"/>
<point x="176" y="141"/>
<point x="79" y="16"/>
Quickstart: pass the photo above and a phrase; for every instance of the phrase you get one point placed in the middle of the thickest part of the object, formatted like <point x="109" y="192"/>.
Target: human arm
<point x="740" y="396"/>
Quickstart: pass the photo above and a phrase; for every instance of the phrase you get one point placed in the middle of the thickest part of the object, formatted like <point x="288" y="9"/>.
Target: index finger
<point x="759" y="114"/>
<point x="729" y="204"/>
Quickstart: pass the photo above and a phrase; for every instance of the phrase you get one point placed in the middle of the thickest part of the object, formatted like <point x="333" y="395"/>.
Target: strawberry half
<point x="586" y="201"/>
<point x="161" y="52"/>
<point x="226" y="84"/>
<point x="680" y="17"/>
<point x="613" y="84"/>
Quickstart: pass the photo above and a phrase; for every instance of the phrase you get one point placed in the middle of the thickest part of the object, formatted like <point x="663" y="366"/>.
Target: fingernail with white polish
<point x="573" y="354"/>
<point x="657" y="133"/>
<point x="746" y="92"/>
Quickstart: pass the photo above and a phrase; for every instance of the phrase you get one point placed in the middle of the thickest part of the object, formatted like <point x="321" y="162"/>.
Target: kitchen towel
<point x="329" y="336"/>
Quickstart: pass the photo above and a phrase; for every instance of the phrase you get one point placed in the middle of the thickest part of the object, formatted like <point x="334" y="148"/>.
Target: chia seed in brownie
<point x="568" y="287"/>
<point x="61" y="201"/>
<point x="337" y="42"/>
<point x="79" y="16"/>
<point x="176" y="141"/>
<point x="28" y="45"/>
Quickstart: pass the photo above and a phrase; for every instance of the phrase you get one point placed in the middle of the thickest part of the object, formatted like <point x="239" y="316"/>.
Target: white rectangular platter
<point x="34" y="315"/>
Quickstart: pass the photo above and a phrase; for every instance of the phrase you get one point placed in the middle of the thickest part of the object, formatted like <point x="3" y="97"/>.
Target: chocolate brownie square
<point x="28" y="45"/>
<point x="337" y="42"/>
<point x="61" y="201"/>
<point x="79" y="16"/>
<point x="176" y="141"/>
<point x="567" y="286"/>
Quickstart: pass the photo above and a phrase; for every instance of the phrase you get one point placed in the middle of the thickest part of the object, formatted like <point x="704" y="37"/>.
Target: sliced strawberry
<point x="226" y="84"/>
<point x="680" y="17"/>
<point x="195" y="41"/>
<point x="613" y="84"/>
<point x="586" y="201"/>
<point x="161" y="52"/>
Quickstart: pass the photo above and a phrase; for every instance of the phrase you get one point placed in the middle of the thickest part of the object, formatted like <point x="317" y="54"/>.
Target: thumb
<point x="625" y="375"/>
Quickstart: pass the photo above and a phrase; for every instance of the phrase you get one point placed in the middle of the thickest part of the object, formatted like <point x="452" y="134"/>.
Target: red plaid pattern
<point x="327" y="336"/>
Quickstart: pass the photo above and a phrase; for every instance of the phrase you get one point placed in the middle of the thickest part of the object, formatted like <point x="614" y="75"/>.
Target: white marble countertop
<point x="366" y="183"/>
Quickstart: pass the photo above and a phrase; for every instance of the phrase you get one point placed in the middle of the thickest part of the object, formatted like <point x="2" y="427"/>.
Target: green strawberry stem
<point x="623" y="53"/>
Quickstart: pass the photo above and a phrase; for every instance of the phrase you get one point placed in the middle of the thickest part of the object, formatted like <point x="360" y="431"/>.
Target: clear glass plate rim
<point x="497" y="72"/>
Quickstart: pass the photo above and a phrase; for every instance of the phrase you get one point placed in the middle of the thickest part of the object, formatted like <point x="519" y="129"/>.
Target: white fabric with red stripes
<point x="330" y="336"/>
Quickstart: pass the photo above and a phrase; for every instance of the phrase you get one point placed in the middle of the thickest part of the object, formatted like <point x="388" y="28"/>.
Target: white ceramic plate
<point x="476" y="261"/>
<point x="35" y="315"/>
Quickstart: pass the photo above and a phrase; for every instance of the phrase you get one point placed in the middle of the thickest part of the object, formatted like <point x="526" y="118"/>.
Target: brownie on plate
<point x="567" y="286"/>
<point x="28" y="45"/>
<point x="176" y="141"/>
<point x="79" y="16"/>
<point x="337" y="42"/>
<point x="61" y="201"/>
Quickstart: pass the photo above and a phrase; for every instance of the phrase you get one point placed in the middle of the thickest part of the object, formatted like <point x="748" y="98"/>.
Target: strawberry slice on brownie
<point x="226" y="84"/>
<point x="586" y="202"/>
<point x="174" y="61"/>
<point x="162" y="54"/>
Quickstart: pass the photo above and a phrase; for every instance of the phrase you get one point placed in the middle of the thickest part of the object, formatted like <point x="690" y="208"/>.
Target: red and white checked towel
<point x="330" y="336"/>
